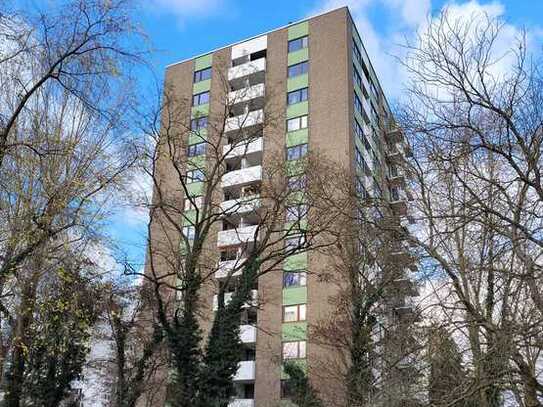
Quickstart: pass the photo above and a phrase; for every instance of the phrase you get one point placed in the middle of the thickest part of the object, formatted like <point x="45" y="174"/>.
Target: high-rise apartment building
<point x="325" y="96"/>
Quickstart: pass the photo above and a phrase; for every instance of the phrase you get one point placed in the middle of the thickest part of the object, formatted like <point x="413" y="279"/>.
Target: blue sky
<point x="180" y="29"/>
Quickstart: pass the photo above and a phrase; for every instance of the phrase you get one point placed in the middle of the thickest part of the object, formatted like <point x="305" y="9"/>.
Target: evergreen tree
<point x="304" y="395"/>
<point x="448" y="378"/>
<point x="224" y="348"/>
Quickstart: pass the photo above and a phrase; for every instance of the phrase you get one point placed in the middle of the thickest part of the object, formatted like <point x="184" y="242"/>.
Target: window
<point x="294" y="350"/>
<point x="297" y="123"/>
<point x="287" y="392"/>
<point x="297" y="96"/>
<point x="298" y="43"/>
<point x="357" y="104"/>
<point x="294" y="313"/>
<point x="298" y="69"/>
<point x="296" y="213"/>
<point x="296" y="152"/>
<point x="294" y="242"/>
<point x="193" y="203"/>
<point x="196" y="149"/>
<point x="356" y="52"/>
<point x="357" y="78"/>
<point x="296" y="182"/>
<point x="361" y="189"/>
<point x="200" y="99"/>
<point x="196" y="175"/>
<point x="294" y="279"/>
<point x="360" y="161"/>
<point x="202" y="75"/>
<point x="360" y="134"/>
<point x="188" y="232"/>
<point x="198" y="123"/>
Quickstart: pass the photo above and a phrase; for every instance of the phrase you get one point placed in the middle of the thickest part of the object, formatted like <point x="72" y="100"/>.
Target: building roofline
<point x="258" y="35"/>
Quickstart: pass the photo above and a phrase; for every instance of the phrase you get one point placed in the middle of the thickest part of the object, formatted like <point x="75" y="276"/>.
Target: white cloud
<point x="402" y="20"/>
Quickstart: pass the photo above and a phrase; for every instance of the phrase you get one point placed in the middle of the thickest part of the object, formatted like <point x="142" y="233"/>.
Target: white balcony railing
<point x="244" y="120"/>
<point x="225" y="268"/>
<point x="247" y="68"/>
<point x="242" y="176"/>
<point x="237" y="236"/>
<point x="242" y="403"/>
<point x="228" y="298"/>
<point x="245" y="94"/>
<point x="246" y="371"/>
<point x="243" y="149"/>
<point x="241" y="205"/>
<point x="247" y="333"/>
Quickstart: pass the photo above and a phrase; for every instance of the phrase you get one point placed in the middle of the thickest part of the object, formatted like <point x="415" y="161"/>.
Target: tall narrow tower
<point x="325" y="96"/>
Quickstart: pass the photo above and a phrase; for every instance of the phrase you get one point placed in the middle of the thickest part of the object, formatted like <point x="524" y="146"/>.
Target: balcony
<point x="395" y="135"/>
<point x="236" y="236"/>
<point x="246" y="371"/>
<point x="247" y="68"/>
<point x="226" y="267"/>
<point x="247" y="333"/>
<point x="396" y="177"/>
<point x="244" y="120"/>
<point x="242" y="176"/>
<point x="242" y="149"/>
<point x="407" y="287"/>
<point x="242" y="205"/>
<point x="242" y="403"/>
<point x="245" y="94"/>
<point x="398" y="201"/>
<point x="228" y="298"/>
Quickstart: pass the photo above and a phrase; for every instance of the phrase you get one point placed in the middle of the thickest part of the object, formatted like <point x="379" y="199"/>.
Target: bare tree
<point x="474" y="121"/>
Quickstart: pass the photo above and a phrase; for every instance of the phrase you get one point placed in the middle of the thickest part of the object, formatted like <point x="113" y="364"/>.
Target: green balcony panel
<point x="296" y="226"/>
<point x="196" y="162"/>
<point x="298" y="30"/>
<point x="295" y="262"/>
<point x="201" y="110"/>
<point x="195" y="188"/>
<point x="297" y="137"/>
<point x="296" y="197"/>
<point x="297" y="82"/>
<point x="201" y="86"/>
<point x="298" y="109"/>
<point x="295" y="167"/>
<point x="197" y="137"/>
<point x="294" y="331"/>
<point x="189" y="217"/>
<point x="203" y="62"/>
<point x="294" y="295"/>
<point x="298" y="56"/>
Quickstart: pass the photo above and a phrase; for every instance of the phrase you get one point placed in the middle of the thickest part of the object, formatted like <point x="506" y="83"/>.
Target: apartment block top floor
<point x="258" y="42"/>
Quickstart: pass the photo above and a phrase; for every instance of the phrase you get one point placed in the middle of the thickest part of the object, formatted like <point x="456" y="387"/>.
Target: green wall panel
<point x="298" y="109"/>
<point x="297" y="82"/>
<point x="189" y="217"/>
<point x="201" y="86"/>
<point x="294" y="167"/>
<point x="297" y="137"/>
<point x="200" y="110"/>
<point x="298" y="56"/>
<point x="195" y="189"/>
<point x="196" y="162"/>
<point x="295" y="262"/>
<point x="197" y="137"/>
<point x="294" y="331"/>
<point x="298" y="30"/>
<point x="203" y="62"/>
<point x="295" y="295"/>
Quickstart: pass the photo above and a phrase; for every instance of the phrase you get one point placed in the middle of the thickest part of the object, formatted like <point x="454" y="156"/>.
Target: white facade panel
<point x="248" y="47"/>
